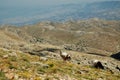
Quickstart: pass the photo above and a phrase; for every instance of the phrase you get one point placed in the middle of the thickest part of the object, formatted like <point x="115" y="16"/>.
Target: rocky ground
<point x="31" y="52"/>
<point x="43" y="64"/>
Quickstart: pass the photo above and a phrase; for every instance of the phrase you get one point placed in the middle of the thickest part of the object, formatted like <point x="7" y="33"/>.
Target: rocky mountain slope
<point x="30" y="52"/>
<point x="78" y="35"/>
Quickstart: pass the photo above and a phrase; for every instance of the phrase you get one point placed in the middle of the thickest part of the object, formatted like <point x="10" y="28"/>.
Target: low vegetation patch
<point x="26" y="66"/>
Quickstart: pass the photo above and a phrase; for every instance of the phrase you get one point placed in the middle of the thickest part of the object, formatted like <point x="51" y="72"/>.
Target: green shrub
<point x="2" y="76"/>
<point x="13" y="58"/>
<point x="12" y="67"/>
<point x="51" y="65"/>
<point x="40" y="70"/>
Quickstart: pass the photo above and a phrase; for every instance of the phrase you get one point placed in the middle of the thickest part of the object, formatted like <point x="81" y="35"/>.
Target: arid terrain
<point x="30" y="52"/>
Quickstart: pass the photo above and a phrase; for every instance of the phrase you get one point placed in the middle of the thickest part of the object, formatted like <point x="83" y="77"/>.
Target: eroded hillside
<point x="93" y="33"/>
<point x="31" y="51"/>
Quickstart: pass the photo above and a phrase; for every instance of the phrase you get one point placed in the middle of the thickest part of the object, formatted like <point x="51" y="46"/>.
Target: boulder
<point x="98" y="64"/>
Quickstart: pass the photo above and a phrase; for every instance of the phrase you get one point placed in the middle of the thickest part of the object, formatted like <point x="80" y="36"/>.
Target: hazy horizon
<point x="21" y="3"/>
<point x="23" y="11"/>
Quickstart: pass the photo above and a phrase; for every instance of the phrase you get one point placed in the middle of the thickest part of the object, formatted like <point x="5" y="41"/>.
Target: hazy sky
<point x="42" y="2"/>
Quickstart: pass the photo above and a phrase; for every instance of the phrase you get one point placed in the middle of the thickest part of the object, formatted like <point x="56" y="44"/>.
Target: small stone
<point x="5" y="70"/>
<point x="82" y="71"/>
<point x="9" y="76"/>
<point x="21" y="79"/>
<point x="13" y="54"/>
<point x="43" y="59"/>
<point x="100" y="79"/>
<point x="5" y="56"/>
<point x="16" y="77"/>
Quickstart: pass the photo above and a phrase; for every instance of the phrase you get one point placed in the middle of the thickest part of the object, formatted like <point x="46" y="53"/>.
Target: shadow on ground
<point x="116" y="56"/>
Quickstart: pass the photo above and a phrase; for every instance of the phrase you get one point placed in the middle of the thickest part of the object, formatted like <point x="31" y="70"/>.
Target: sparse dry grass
<point x="56" y="69"/>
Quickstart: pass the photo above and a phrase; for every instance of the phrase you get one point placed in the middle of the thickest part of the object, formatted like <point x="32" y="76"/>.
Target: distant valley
<point x="108" y="10"/>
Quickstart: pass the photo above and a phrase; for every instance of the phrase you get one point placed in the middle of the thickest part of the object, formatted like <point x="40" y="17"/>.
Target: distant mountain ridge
<point x="82" y="35"/>
<point x="105" y="4"/>
<point x="109" y="10"/>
